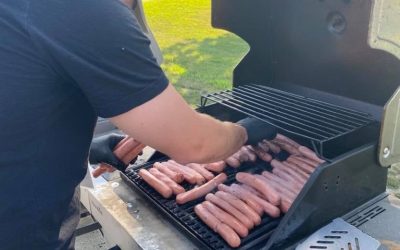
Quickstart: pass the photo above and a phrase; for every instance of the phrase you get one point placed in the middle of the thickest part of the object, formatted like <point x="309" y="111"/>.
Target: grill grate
<point x="299" y="115"/>
<point x="186" y="219"/>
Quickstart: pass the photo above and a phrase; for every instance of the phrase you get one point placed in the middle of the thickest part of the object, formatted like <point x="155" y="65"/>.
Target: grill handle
<point x="389" y="145"/>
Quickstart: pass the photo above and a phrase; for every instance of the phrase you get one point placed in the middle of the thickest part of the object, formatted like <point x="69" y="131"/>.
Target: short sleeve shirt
<point x="62" y="64"/>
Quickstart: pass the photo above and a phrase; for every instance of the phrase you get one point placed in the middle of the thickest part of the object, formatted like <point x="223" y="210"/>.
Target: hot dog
<point x="268" y="208"/>
<point x="176" y="188"/>
<point x="263" y="155"/>
<point x="155" y="183"/>
<point x="199" y="178"/>
<point x="189" y="177"/>
<point x="281" y="185"/>
<point x="287" y="140"/>
<point x="177" y="177"/>
<point x="132" y="154"/>
<point x="240" y="205"/>
<point x="310" y="154"/>
<point x="227" y="207"/>
<point x="285" y="176"/>
<point x="287" y="147"/>
<point x="253" y="204"/>
<point x="226" y="218"/>
<point x="310" y="162"/>
<point x="202" y="190"/>
<point x="216" y="167"/>
<point x="232" y="161"/>
<point x="272" y="146"/>
<point x="305" y="167"/>
<point x="303" y="174"/>
<point x="298" y="177"/>
<point x="201" y="170"/>
<point x="266" y="190"/>
<point x="227" y="233"/>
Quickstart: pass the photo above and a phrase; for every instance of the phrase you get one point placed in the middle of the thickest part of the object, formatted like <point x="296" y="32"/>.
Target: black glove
<point x="257" y="130"/>
<point x="101" y="151"/>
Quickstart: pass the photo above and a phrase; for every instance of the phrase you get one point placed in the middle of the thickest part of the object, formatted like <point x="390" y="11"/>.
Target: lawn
<point x="197" y="58"/>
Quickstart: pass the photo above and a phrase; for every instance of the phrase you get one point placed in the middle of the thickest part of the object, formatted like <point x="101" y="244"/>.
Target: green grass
<point x="197" y="58"/>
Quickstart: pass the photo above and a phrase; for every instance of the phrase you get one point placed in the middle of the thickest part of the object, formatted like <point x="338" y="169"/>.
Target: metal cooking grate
<point x="186" y="219"/>
<point x="299" y="115"/>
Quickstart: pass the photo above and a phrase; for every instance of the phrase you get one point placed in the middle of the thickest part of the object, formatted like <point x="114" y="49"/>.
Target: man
<point x="63" y="64"/>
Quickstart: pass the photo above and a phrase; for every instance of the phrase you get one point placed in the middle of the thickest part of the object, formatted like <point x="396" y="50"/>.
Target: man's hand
<point x="101" y="151"/>
<point x="257" y="130"/>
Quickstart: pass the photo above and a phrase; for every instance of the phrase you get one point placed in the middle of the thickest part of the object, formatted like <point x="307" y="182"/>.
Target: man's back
<point x="55" y="80"/>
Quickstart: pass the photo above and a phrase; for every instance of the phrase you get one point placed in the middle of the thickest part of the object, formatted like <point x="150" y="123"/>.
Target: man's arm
<point x="168" y="124"/>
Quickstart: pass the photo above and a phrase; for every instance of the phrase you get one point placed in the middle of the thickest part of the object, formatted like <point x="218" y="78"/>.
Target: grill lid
<point x="318" y="48"/>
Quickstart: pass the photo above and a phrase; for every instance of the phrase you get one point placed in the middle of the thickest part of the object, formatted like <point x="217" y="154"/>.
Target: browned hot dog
<point x="155" y="183"/>
<point x="189" y="177"/>
<point x="177" y="177"/>
<point x="227" y="233"/>
<point x="216" y="167"/>
<point x="268" y="208"/>
<point x="201" y="170"/>
<point x="176" y="188"/>
<point x="240" y="205"/>
<point x="227" y="207"/>
<point x="253" y="204"/>
<point x="266" y="190"/>
<point x="226" y="218"/>
<point x="199" y="178"/>
<point x="202" y="190"/>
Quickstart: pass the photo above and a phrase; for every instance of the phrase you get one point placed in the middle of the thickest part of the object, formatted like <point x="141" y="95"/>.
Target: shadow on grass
<point x="196" y="67"/>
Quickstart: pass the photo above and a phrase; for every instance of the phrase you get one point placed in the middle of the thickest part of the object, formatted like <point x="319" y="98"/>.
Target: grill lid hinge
<point x="389" y="146"/>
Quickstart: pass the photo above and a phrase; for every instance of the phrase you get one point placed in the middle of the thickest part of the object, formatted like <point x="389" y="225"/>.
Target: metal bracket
<point x="389" y="145"/>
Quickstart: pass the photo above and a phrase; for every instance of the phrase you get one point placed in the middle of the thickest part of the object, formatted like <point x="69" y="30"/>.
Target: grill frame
<point x="131" y="178"/>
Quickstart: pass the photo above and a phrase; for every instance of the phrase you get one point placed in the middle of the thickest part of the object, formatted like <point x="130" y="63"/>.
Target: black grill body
<point x="311" y="73"/>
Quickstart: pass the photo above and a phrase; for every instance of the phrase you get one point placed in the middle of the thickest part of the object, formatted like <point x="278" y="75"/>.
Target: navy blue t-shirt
<point x="62" y="64"/>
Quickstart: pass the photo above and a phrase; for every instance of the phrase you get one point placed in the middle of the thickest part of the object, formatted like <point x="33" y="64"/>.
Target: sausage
<point x="155" y="183"/>
<point x="177" y="177"/>
<point x="121" y="142"/>
<point x="250" y="151"/>
<point x="232" y="161"/>
<point x="287" y="140"/>
<point x="262" y="154"/>
<point x="216" y="167"/>
<point x="252" y="190"/>
<point x="281" y="185"/>
<point x="242" y="155"/>
<point x="188" y="176"/>
<point x="303" y="166"/>
<point x="299" y="178"/>
<point x="287" y="147"/>
<point x="201" y="190"/>
<point x="285" y="176"/>
<point x="287" y="197"/>
<point x="300" y="172"/>
<point x="240" y="205"/>
<point x="310" y="162"/>
<point x="310" y="154"/>
<point x="201" y="170"/>
<point x="263" y="147"/>
<point x="217" y="226"/>
<point x="266" y="190"/>
<point x="226" y="218"/>
<point x="125" y="148"/>
<point x="248" y="223"/>
<point x="176" y="188"/>
<point x="268" y="208"/>
<point x="272" y="146"/>
<point x="199" y="178"/>
<point x="253" y="204"/>
<point x="132" y="154"/>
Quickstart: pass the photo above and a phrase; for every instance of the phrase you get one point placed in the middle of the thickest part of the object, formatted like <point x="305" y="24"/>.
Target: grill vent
<point x="366" y="216"/>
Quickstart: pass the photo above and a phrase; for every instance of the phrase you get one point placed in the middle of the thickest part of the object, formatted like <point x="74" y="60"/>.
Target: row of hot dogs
<point x="234" y="210"/>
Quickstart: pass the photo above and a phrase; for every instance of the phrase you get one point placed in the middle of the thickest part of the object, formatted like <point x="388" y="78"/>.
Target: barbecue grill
<point x="320" y="72"/>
